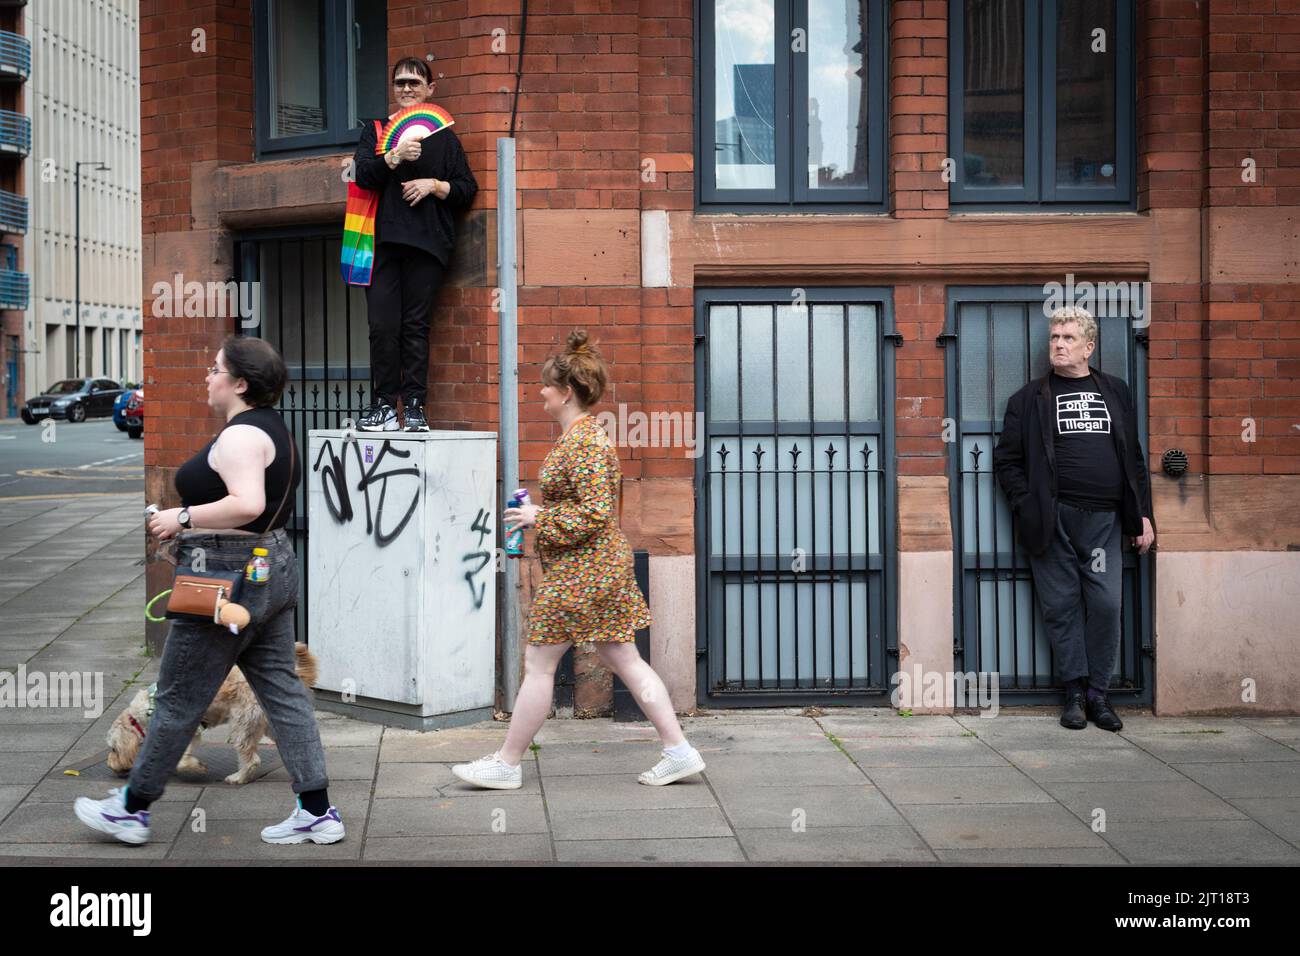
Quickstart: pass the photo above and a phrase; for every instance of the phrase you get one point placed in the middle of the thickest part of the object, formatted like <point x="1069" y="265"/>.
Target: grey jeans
<point x="1079" y="580"/>
<point x="198" y="656"/>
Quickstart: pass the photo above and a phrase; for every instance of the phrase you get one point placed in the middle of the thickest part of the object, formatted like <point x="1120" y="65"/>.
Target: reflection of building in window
<point x="854" y="172"/>
<point x="747" y="137"/>
<point x="995" y="92"/>
<point x="1085" y="96"/>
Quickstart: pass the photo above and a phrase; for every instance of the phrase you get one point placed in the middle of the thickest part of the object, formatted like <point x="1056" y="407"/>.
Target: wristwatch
<point x="183" y="517"/>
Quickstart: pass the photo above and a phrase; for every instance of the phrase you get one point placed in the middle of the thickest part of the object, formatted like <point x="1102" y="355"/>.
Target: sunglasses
<point x="407" y="84"/>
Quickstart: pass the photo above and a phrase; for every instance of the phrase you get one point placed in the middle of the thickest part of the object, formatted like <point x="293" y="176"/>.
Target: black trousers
<point x="399" y="301"/>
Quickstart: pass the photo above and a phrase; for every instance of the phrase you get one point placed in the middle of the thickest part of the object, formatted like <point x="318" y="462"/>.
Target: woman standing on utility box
<point x="421" y="184"/>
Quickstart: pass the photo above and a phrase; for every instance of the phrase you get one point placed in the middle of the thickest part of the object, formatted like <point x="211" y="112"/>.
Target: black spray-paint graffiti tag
<point x="483" y="557"/>
<point x="334" y="483"/>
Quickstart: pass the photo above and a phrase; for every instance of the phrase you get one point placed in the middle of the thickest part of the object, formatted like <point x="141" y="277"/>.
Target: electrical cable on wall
<point x="519" y="64"/>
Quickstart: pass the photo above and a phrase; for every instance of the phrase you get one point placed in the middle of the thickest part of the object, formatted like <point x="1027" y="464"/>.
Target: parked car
<point x="74" y="399"/>
<point x="133" y="413"/>
<point x="119" y="406"/>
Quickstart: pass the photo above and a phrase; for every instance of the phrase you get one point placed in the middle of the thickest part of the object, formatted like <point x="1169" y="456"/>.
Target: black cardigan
<point x="1025" y="460"/>
<point x="429" y="224"/>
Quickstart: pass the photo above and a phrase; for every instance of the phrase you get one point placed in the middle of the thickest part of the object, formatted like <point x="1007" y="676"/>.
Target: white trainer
<point x="491" y="772"/>
<point x="302" y="826"/>
<point x="109" y="816"/>
<point x="672" y="768"/>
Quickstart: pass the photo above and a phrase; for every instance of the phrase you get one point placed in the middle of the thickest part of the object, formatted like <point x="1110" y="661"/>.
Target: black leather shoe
<point x="413" y="418"/>
<point x="1099" y="713"/>
<point x="1073" y="715"/>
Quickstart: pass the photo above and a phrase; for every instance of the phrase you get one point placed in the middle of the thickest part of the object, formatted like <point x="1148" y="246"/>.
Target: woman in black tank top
<point x="239" y="480"/>
<point x="231" y="493"/>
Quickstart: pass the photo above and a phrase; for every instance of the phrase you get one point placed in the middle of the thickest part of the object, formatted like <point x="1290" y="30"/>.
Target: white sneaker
<point x="302" y="826"/>
<point x="491" y="772"/>
<point x="109" y="816"/>
<point x="672" y="768"/>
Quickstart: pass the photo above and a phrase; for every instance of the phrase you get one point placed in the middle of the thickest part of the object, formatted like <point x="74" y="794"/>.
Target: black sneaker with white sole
<point x="379" y="418"/>
<point x="413" y="417"/>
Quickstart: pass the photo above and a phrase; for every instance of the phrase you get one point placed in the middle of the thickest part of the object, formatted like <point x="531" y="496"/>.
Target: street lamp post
<point x="95" y="164"/>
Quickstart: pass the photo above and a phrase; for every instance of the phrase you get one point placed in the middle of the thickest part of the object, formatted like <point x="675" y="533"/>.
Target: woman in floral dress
<point x="588" y="591"/>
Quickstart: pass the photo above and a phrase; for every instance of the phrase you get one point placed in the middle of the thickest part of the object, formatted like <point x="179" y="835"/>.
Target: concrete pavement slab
<point x="1005" y="826"/>
<point x="1246" y="779"/>
<point x="570" y="794"/>
<point x="446" y="816"/>
<point x="812" y="807"/>
<point x="678" y="850"/>
<point x="923" y="752"/>
<point x="883" y="844"/>
<point x="957" y="785"/>
<point x="1142" y="800"/>
<point x="1278" y="815"/>
<point x="496" y="848"/>
<point x="677" y="822"/>
<point x="1200" y="842"/>
<point x="1090" y="765"/>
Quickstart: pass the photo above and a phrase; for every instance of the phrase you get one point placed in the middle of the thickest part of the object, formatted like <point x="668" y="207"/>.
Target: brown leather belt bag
<point x="199" y="595"/>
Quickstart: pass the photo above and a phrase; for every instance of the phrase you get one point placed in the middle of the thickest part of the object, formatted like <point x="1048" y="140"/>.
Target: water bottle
<point x="258" y="570"/>
<point x="515" y="539"/>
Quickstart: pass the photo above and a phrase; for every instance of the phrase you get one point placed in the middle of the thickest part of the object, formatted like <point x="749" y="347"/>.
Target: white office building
<point x="84" y="102"/>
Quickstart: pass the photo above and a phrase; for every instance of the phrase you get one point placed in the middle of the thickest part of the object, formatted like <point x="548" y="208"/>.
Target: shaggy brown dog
<point x="235" y="702"/>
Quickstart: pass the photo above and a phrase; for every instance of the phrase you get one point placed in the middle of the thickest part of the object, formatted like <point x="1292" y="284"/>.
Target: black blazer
<point x="1025" y="460"/>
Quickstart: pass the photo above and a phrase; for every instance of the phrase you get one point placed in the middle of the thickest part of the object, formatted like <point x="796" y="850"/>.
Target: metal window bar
<point x="308" y="320"/>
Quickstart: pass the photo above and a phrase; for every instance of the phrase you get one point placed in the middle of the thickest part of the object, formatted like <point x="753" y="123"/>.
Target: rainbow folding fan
<point x="414" y="122"/>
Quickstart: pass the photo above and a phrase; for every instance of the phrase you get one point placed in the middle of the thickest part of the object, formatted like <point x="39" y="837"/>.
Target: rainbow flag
<point x="358" y="255"/>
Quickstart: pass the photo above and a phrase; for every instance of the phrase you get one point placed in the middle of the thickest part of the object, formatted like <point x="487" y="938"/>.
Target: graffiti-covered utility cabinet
<point x="402" y="580"/>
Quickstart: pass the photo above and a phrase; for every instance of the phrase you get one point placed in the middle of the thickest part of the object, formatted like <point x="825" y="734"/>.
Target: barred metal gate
<point x="1000" y="337"/>
<point x="796" y="563"/>
<point x="318" y="323"/>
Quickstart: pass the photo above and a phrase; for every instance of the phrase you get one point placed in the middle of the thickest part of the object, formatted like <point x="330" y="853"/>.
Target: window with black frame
<point x="791" y="104"/>
<point x="321" y="69"/>
<point x="1041" y="103"/>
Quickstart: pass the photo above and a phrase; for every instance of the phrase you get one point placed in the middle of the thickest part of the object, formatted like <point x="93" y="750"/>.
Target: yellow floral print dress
<point x="588" y="590"/>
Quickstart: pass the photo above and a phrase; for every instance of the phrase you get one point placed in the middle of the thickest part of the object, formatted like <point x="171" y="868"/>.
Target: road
<point x="66" y="460"/>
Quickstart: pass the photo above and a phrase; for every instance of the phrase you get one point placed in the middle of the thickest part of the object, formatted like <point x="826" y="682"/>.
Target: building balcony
<point x="13" y="289"/>
<point x="15" y="57"/>
<point x="15" y="134"/>
<point x="13" y="213"/>
<point x="5" y="4"/>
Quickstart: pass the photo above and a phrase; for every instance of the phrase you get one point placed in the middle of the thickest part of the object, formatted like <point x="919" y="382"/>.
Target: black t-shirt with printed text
<point x="1088" y="470"/>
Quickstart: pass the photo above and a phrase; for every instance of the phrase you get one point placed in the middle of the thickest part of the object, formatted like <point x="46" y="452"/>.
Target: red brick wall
<point x="1254" y="327"/>
<point x="607" y="85"/>
<point x="918" y="146"/>
<point x="918" y="107"/>
<point x="1171" y="78"/>
<point x="195" y="106"/>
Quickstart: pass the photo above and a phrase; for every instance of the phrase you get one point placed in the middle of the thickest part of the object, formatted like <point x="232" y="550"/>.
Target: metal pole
<point x="508" y="396"/>
<point x="77" y="257"/>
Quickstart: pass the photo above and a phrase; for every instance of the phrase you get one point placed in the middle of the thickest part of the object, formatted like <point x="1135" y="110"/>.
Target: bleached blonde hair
<point x="1076" y="313"/>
